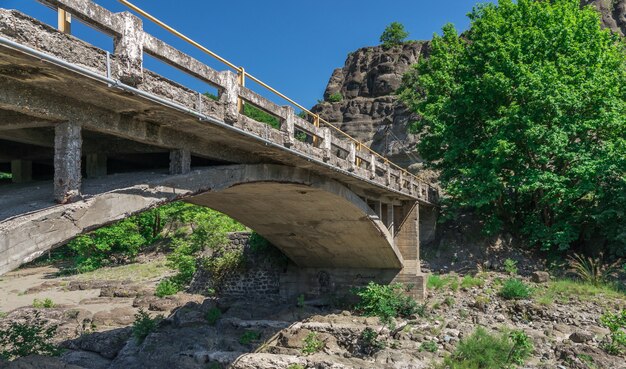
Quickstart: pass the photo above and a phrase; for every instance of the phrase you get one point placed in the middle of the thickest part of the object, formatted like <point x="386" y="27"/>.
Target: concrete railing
<point x="335" y="148"/>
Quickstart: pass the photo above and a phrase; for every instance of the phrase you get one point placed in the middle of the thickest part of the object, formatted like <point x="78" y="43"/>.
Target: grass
<point x="137" y="272"/>
<point x="438" y="282"/>
<point x="561" y="290"/>
<point x="468" y="282"/>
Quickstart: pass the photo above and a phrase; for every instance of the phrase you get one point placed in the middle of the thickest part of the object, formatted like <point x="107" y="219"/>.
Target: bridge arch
<point x="314" y="220"/>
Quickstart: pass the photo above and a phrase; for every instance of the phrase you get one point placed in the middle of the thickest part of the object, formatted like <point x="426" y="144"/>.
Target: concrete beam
<point x="67" y="162"/>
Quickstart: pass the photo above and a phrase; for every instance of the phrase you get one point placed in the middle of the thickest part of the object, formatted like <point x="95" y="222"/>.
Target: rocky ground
<point x="94" y="314"/>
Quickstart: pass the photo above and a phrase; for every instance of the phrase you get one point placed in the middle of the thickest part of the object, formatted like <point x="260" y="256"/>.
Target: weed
<point x="295" y="366"/>
<point x="616" y="323"/>
<point x="386" y="302"/>
<point x="438" y="282"/>
<point x="336" y="97"/>
<point x="429" y="346"/>
<point x="449" y="301"/>
<point x="510" y="266"/>
<point x="312" y="344"/>
<point x="369" y="342"/>
<point x="213" y="315"/>
<point x="468" y="282"/>
<point x="3" y="314"/>
<point x="591" y="270"/>
<point x="249" y="336"/>
<point x="515" y="289"/>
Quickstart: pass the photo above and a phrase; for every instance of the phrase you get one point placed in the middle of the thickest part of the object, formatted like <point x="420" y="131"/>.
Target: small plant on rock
<point x="429" y="346"/>
<point x="510" y="266"/>
<point x="213" y="315"/>
<point x="515" y="289"/>
<point x="336" y="97"/>
<point x="370" y="343"/>
<point x="468" y="282"/>
<point x="295" y="366"/>
<point x="166" y="287"/>
<point x="46" y="303"/>
<point x="249" y="336"/>
<point x="312" y="344"/>
<point x="616" y="323"/>
<point x="30" y="338"/>
<point x="144" y="325"/>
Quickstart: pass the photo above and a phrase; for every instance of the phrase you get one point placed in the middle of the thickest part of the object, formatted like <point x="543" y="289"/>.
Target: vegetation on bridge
<point x="524" y="116"/>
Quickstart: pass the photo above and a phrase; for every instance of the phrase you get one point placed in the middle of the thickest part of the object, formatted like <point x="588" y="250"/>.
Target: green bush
<point x="166" y="287"/>
<point x="30" y="338"/>
<point x="394" y="34"/>
<point x="213" y="315"/>
<point x="259" y="115"/>
<point x="484" y="351"/>
<point x="386" y="302"/>
<point x="616" y="323"/>
<point x="515" y="289"/>
<point x="46" y="303"/>
<point x="336" y="97"/>
<point x="144" y="325"/>
<point x="249" y="336"/>
<point x="538" y="95"/>
<point x="510" y="266"/>
<point x="312" y="344"/>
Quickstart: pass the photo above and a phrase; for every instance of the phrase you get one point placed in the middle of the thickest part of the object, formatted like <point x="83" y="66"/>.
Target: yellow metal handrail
<point x="243" y="74"/>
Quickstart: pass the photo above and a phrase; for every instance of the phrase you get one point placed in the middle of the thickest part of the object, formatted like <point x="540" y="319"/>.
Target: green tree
<point x="524" y="116"/>
<point x="394" y="34"/>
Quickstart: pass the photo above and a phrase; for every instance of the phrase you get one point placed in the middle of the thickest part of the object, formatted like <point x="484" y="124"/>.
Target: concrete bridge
<point x="92" y="137"/>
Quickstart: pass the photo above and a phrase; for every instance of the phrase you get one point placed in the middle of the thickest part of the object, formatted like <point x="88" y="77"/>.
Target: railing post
<point x="229" y="96"/>
<point x="351" y="156"/>
<point x="287" y="125"/>
<point x="411" y="185"/>
<point x="241" y="80"/>
<point x="400" y="179"/>
<point x="388" y="172"/>
<point x="373" y="166"/>
<point x="358" y="160"/>
<point x="64" y="21"/>
<point x="129" y="50"/>
<point x="316" y="123"/>
<point x="327" y="144"/>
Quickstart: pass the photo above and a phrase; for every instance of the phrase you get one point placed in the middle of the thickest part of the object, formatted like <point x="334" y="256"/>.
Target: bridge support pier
<point x="96" y="165"/>
<point x="67" y="162"/>
<point x="407" y="239"/>
<point x="180" y="161"/>
<point x="21" y="171"/>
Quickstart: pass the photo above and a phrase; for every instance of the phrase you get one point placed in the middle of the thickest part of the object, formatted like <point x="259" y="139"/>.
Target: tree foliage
<point x="525" y="117"/>
<point x="394" y="34"/>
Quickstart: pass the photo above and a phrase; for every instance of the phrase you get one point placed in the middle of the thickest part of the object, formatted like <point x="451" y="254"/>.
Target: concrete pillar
<point x="407" y="241"/>
<point x="229" y="96"/>
<point x="67" y="152"/>
<point x="390" y="219"/>
<point x="21" y="171"/>
<point x="129" y="50"/>
<point x="351" y="157"/>
<point x="96" y="165"/>
<point x="288" y="125"/>
<point x="180" y="161"/>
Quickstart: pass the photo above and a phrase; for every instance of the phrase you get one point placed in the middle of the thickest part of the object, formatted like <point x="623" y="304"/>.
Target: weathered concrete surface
<point x="315" y="221"/>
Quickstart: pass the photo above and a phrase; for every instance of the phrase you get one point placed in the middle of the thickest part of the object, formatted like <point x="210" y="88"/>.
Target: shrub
<point x="144" y="325"/>
<point x="592" y="270"/>
<point x="213" y="315"/>
<point x="312" y="344"/>
<point x="260" y="115"/>
<point x="616" y="323"/>
<point x="336" y="97"/>
<point x="386" y="302"/>
<point x="369" y="342"/>
<point x="248" y="336"/>
<point x="514" y="289"/>
<point x="484" y="350"/>
<point x="29" y="338"/>
<point x="429" y="346"/>
<point x="394" y="34"/>
<point x="438" y="282"/>
<point x="46" y="303"/>
<point x="510" y="266"/>
<point x="166" y="287"/>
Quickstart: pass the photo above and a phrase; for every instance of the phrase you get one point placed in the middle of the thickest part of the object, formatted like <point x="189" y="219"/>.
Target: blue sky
<point x="292" y="45"/>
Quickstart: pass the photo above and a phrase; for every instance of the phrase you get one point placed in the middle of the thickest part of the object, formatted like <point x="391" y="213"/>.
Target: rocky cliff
<point x="369" y="110"/>
<point x="613" y="13"/>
